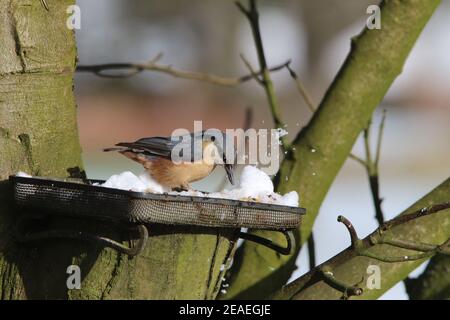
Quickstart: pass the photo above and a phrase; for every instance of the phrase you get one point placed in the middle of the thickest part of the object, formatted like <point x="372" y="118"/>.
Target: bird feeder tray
<point x="90" y="200"/>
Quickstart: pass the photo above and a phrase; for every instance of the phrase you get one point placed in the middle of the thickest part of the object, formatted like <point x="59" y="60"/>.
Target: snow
<point x="22" y="174"/>
<point x="289" y="199"/>
<point x="254" y="185"/>
<point x="254" y="182"/>
<point x="280" y="133"/>
<point x="151" y="185"/>
<point x="129" y="181"/>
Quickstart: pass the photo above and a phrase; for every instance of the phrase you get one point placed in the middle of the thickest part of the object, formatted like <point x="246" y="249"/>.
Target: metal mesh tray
<point x="92" y="201"/>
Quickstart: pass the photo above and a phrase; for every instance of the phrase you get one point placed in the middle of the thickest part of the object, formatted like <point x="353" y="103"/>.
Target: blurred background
<point x="209" y="36"/>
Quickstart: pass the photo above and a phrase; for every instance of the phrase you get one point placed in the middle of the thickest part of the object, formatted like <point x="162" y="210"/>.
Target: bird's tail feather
<point x="114" y="149"/>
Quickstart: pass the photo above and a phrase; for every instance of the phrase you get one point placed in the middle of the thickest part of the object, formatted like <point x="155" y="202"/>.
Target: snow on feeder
<point x="105" y="201"/>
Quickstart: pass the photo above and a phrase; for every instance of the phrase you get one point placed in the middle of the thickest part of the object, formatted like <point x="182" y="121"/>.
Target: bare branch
<point x="45" y="5"/>
<point x="378" y="238"/>
<point x="253" y="19"/>
<point x="131" y="69"/>
<point x="347" y="290"/>
<point x="417" y="246"/>
<point x="377" y="200"/>
<point x="351" y="229"/>
<point x="250" y="68"/>
<point x="242" y="8"/>
<point x="371" y="166"/>
<point x="390" y="259"/>
<point x="301" y="88"/>
<point x="361" y="247"/>
<point x="380" y="137"/>
<point x="427" y="250"/>
<point x="414" y="215"/>
<point x="358" y="159"/>
<point x="366" y="135"/>
<point x="311" y="251"/>
<point x="248" y="118"/>
<point x="368" y="72"/>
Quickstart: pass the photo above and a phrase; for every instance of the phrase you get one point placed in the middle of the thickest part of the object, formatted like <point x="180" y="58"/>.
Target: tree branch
<point x="431" y="225"/>
<point x="346" y="289"/>
<point x="371" y="166"/>
<point x="351" y="229"/>
<point x="250" y="68"/>
<point x="266" y="80"/>
<point x="301" y="89"/>
<point x="375" y="60"/>
<point x="45" y="5"/>
<point x="418" y="246"/>
<point x="378" y="237"/>
<point x="135" y="68"/>
<point x="311" y="251"/>
<point x="380" y="138"/>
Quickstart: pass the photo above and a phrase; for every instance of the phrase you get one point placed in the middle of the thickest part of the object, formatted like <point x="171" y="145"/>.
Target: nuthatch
<point x="156" y="155"/>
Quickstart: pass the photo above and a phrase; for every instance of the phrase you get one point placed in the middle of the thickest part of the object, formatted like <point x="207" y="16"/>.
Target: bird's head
<point x="220" y="148"/>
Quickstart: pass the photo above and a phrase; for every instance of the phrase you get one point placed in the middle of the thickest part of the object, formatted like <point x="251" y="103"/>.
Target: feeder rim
<point x="60" y="182"/>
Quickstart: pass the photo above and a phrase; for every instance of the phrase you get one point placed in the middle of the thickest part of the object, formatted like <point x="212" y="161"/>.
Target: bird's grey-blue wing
<point x="160" y="146"/>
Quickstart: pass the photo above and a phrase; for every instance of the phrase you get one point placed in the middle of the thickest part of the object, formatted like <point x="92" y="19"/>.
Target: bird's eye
<point x="213" y="138"/>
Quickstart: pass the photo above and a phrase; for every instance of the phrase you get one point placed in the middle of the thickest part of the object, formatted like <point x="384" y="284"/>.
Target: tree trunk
<point x="38" y="135"/>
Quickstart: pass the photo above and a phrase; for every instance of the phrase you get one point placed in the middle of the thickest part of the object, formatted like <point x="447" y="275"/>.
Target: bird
<point x="156" y="155"/>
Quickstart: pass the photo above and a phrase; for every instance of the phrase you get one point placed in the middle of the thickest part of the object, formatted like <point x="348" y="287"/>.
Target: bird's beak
<point x="229" y="171"/>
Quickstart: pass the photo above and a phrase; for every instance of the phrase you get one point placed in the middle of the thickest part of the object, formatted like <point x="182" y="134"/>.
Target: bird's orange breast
<point x="172" y="175"/>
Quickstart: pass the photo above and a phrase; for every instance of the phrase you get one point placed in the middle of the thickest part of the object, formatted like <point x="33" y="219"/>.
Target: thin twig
<point x="324" y="271"/>
<point x="380" y="138"/>
<point x="423" y="247"/>
<point x="346" y="289"/>
<point x="248" y="118"/>
<point x="45" y="5"/>
<point x="366" y="135"/>
<point x="414" y="215"/>
<point x="377" y="200"/>
<point x="377" y="237"/>
<point x="390" y="259"/>
<point x="253" y="18"/>
<point x="427" y="250"/>
<point x="351" y="229"/>
<point x="131" y="69"/>
<point x="301" y="88"/>
<point x="311" y="251"/>
<point x="358" y="159"/>
<point x="250" y="68"/>
<point x="371" y="166"/>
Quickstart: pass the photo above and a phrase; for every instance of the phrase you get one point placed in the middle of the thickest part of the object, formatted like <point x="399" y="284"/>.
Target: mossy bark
<point x="38" y="135"/>
<point x="375" y="60"/>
